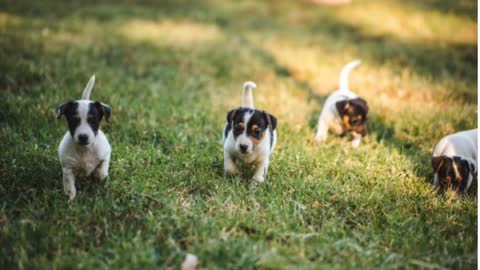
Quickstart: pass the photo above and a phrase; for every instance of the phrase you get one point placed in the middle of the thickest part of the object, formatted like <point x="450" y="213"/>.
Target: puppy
<point x="344" y="111"/>
<point x="454" y="161"/>
<point x="249" y="136"/>
<point x="84" y="149"/>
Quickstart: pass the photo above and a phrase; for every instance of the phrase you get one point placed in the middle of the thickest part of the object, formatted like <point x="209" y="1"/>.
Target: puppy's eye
<point x="239" y="126"/>
<point x="91" y="120"/>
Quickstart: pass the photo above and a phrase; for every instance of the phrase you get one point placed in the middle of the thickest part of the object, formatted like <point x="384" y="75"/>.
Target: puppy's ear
<point x="473" y="167"/>
<point x="231" y="115"/>
<point x="361" y="103"/>
<point x="104" y="109"/>
<point x="437" y="163"/>
<point x="62" y="109"/>
<point x="342" y="106"/>
<point x="271" y="120"/>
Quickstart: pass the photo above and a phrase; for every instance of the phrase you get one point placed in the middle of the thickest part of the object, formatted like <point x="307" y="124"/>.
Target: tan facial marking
<point x="346" y="121"/>
<point x="440" y="165"/>
<point x="241" y="125"/>
<point x="253" y="139"/>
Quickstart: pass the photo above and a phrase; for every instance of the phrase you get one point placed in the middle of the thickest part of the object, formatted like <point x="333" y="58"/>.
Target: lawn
<point x="171" y="70"/>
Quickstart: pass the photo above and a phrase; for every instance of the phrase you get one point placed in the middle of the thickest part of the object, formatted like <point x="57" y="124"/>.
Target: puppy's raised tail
<point x="247" y="97"/>
<point x="345" y="71"/>
<point x="88" y="88"/>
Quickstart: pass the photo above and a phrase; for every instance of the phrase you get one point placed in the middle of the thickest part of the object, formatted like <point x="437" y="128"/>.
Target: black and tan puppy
<point x="454" y="161"/>
<point x="249" y="136"/>
<point x="344" y="111"/>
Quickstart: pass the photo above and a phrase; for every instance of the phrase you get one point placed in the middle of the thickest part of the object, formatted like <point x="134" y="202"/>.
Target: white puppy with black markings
<point x="344" y="111"/>
<point x="249" y="136"/>
<point x="84" y="149"/>
<point x="454" y="161"/>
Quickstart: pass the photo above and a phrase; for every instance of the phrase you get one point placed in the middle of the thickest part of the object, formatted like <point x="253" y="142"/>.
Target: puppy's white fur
<point x="463" y="144"/>
<point x="83" y="160"/>
<point x="329" y="117"/>
<point x="257" y="154"/>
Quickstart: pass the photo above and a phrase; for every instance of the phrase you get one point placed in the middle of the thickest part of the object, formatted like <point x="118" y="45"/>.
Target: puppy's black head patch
<point x="453" y="172"/>
<point x="256" y="124"/>
<point x="70" y="110"/>
<point x="354" y="114"/>
<point x="97" y="111"/>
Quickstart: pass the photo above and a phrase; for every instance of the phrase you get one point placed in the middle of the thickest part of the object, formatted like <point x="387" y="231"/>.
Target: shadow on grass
<point x="459" y="7"/>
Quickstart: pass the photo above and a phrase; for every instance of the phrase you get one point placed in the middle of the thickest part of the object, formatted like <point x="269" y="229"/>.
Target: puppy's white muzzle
<point x="84" y="134"/>
<point x="243" y="145"/>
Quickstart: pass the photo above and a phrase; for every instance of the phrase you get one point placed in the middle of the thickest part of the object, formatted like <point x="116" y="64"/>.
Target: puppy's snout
<point x="243" y="148"/>
<point x="365" y="131"/>
<point x="83" y="139"/>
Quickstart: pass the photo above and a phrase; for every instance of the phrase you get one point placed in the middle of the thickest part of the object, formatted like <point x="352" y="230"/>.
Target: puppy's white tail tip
<point x="249" y="85"/>
<point x="88" y="88"/>
<point x="345" y="71"/>
<point x="247" y="94"/>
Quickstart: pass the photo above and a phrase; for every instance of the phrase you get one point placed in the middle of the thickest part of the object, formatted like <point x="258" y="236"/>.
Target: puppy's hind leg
<point x="229" y="164"/>
<point x="69" y="183"/>
<point x="101" y="172"/>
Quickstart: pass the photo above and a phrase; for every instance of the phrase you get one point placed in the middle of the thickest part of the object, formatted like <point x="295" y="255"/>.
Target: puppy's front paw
<point x="230" y="170"/>
<point x="320" y="138"/>
<point x="355" y="144"/>
<point x="100" y="174"/>
<point x="70" y="191"/>
<point x="259" y="178"/>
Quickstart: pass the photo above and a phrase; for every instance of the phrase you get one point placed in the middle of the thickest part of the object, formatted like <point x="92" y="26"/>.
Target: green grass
<point x="171" y="70"/>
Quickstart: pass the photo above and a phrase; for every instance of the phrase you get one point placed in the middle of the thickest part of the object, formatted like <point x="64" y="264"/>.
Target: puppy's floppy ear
<point x="104" y="109"/>
<point x="437" y="163"/>
<point x="473" y="167"/>
<point x="342" y="106"/>
<point x="271" y="120"/>
<point x="361" y="103"/>
<point x="62" y="109"/>
<point x="231" y="115"/>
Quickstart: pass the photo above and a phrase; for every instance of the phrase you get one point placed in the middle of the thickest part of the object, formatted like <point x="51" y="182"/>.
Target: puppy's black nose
<point x="83" y="139"/>
<point x="243" y="148"/>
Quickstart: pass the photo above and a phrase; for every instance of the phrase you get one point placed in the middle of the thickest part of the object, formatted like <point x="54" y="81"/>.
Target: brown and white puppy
<point x="454" y="161"/>
<point x="344" y="111"/>
<point x="84" y="149"/>
<point x="249" y="136"/>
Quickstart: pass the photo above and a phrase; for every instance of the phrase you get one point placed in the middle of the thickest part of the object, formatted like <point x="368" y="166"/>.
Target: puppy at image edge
<point x="454" y="161"/>
<point x="84" y="149"/>
<point x="344" y="111"/>
<point x="249" y="136"/>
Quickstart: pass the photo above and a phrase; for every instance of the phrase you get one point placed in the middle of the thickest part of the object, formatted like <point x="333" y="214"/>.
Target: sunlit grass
<point x="171" y="33"/>
<point x="407" y="22"/>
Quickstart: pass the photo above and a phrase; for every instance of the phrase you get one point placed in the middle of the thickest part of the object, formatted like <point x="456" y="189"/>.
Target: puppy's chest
<point x="86" y="163"/>
<point x="251" y="158"/>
